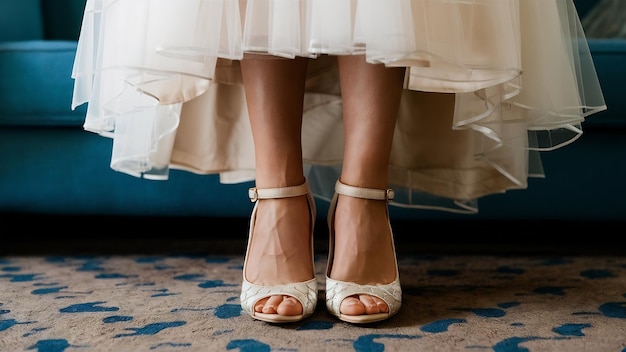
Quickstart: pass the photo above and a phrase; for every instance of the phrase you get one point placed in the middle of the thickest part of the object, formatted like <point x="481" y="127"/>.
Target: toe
<point x="373" y="305"/>
<point x="283" y="305"/>
<point x="352" y="306"/>
<point x="271" y="305"/>
<point x="289" y="306"/>
<point x="258" y="306"/>
<point x="363" y="304"/>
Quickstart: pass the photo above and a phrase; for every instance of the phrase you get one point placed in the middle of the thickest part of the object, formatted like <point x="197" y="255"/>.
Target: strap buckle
<point x="253" y="194"/>
<point x="390" y="194"/>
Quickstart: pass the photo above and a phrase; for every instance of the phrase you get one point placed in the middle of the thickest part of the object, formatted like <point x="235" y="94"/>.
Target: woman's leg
<point x="363" y="243"/>
<point x="280" y="249"/>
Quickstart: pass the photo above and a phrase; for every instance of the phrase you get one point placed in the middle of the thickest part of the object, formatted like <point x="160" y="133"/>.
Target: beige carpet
<point x="191" y="303"/>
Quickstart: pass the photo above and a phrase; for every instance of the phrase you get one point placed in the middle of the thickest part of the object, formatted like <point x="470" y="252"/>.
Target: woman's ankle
<point x="280" y="245"/>
<point x="363" y="242"/>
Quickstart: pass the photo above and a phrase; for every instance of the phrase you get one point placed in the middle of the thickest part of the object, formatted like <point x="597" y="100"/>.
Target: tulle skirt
<point x="489" y="85"/>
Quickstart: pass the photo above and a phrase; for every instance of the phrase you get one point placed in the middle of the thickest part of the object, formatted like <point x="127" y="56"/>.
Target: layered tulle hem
<point x="489" y="84"/>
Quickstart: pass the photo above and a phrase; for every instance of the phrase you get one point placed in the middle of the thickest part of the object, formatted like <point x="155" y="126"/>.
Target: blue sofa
<point x="51" y="166"/>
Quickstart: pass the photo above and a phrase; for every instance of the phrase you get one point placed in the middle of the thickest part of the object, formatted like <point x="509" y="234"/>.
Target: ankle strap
<point x="366" y="193"/>
<point x="281" y="192"/>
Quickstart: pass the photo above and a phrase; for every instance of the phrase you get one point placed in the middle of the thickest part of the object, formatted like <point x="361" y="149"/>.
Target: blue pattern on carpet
<point x="191" y="303"/>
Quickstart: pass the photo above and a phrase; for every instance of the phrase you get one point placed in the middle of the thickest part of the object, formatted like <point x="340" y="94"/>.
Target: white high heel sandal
<point x="337" y="291"/>
<point x="305" y="292"/>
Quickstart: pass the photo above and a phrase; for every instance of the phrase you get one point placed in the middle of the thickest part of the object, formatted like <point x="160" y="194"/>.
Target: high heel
<point x="305" y="292"/>
<point x="337" y="291"/>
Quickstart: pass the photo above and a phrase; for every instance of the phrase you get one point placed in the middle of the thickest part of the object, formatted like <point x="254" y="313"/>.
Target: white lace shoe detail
<point x="337" y="291"/>
<point x="304" y="292"/>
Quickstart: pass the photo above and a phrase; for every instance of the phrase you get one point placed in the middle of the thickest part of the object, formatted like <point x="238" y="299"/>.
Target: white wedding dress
<point x="489" y="85"/>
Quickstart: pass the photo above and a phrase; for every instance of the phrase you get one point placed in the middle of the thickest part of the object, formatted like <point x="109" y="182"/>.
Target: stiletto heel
<point x="337" y="291"/>
<point x="305" y="292"/>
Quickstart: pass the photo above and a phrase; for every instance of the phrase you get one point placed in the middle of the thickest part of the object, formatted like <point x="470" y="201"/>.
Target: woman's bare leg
<point x="280" y="247"/>
<point x="363" y="243"/>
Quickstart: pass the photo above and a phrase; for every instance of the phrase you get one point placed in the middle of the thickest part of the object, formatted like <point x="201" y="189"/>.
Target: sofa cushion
<point x="36" y="86"/>
<point x="609" y="57"/>
<point x="62" y="18"/>
<point x="20" y="20"/>
<point x="584" y="6"/>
